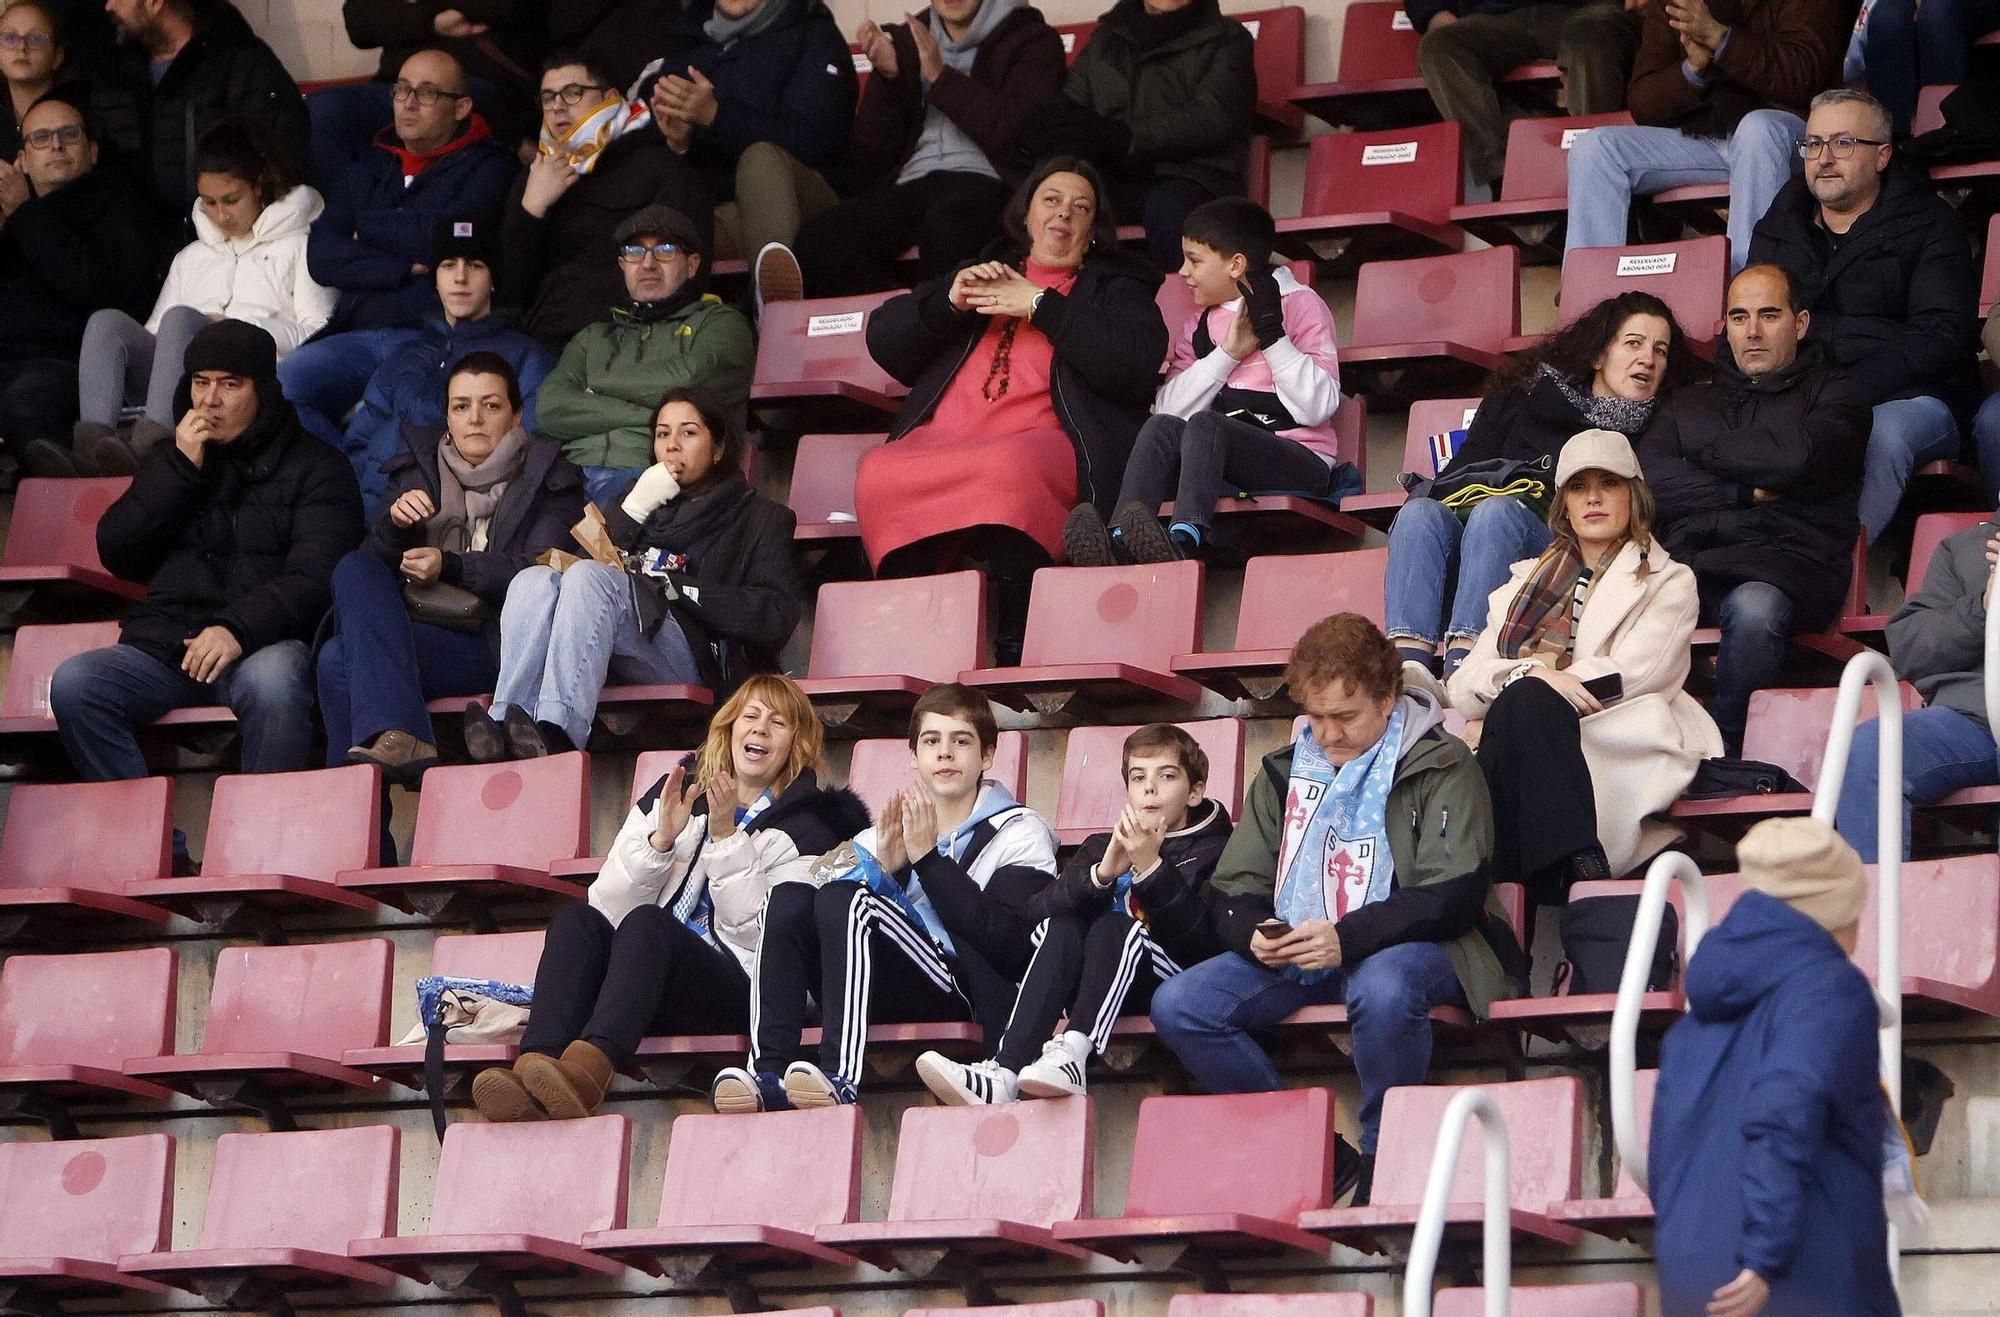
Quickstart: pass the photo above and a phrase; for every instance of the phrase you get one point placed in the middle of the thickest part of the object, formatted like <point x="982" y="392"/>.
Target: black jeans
<point x="37" y="401"/>
<point x="950" y="217"/>
<point x="1161" y="205"/>
<point x="1544" y="806"/>
<point x="613" y="987"/>
<point x="1090" y="971"/>
<point x="1200" y="459"/>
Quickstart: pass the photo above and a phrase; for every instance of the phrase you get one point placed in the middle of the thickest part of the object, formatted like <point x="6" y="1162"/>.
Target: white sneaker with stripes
<point x="980" y="1084"/>
<point x="1058" y="1071"/>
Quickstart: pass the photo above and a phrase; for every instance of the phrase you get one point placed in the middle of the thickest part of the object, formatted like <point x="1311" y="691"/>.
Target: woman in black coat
<point x="463" y="514"/>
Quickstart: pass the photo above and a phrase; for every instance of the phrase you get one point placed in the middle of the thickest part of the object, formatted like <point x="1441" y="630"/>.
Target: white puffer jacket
<point x="261" y="278"/>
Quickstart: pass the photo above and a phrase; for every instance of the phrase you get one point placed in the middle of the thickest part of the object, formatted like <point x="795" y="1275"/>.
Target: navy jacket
<point x="1766" y="1150"/>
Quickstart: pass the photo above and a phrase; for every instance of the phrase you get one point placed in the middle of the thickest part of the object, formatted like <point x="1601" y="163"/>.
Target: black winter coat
<point x="621" y="37"/>
<point x="508" y="54"/>
<point x="248" y="540"/>
<point x="1896" y="304"/>
<point x="1799" y="433"/>
<point x="1521" y="423"/>
<point x="65" y="255"/>
<point x="1109" y="342"/>
<point x="1172" y="897"/>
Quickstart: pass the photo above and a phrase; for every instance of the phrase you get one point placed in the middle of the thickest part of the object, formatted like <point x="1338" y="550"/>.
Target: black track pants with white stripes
<point x="1090" y="969"/>
<point x="853" y="951"/>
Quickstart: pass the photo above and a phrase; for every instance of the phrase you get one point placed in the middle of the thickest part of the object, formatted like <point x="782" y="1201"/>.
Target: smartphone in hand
<point x="1607" y="689"/>
<point x="1274" y="929"/>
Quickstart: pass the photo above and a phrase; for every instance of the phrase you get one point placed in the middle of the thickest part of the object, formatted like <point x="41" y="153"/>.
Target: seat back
<point x="651" y="766"/>
<point x="823" y="476"/>
<point x="1930" y="107"/>
<point x="315" y="1189"/>
<point x="1280" y="35"/>
<point x="94" y="835"/>
<point x="95" y="1200"/>
<point x="38" y="652"/>
<point x="1544" y="1134"/>
<point x="1271" y="1305"/>
<point x="527" y="812"/>
<point x="1185" y="1160"/>
<point x="791" y="1169"/>
<point x="1093" y="782"/>
<point x="319" y="999"/>
<point x="1350" y="430"/>
<point x="1933" y="529"/>
<point x="1989" y="276"/>
<point x="1789" y="727"/>
<point x="932" y="627"/>
<point x="1617" y="1298"/>
<point x="1054" y="1308"/>
<point x="502" y="957"/>
<point x="1414" y="170"/>
<point x="1177" y="308"/>
<point x="882" y="766"/>
<point x="1644" y="1083"/>
<point x="1429" y="416"/>
<point x="1377" y="41"/>
<point x="560" y="1179"/>
<point x="1027" y="1162"/>
<point x="1691" y="277"/>
<point x="55" y="522"/>
<point x="820" y="340"/>
<point x="305" y="825"/>
<point x="1285" y="594"/>
<point x="1141" y="615"/>
<point x="101" y="1009"/>
<point x="1537" y="166"/>
<point x="1472" y="298"/>
<point x="1951" y="924"/>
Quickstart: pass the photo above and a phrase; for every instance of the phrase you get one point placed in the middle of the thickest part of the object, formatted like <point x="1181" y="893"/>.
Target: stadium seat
<point x="502" y="957"/>
<point x="72" y="1209"/>
<point x="488" y="833"/>
<point x="1195" y="1197"/>
<point x="70" y="851"/>
<point x="1280" y="36"/>
<point x="1628" y="1207"/>
<point x="1369" y="195"/>
<point x="1293" y="523"/>
<point x="1093" y="786"/>
<point x="1951" y="924"/>
<point x="279" y="1021"/>
<point x="1282" y="596"/>
<point x="1427" y="417"/>
<point x="1271" y="1305"/>
<point x="50" y="557"/>
<point x="1690" y="277"/>
<point x="275" y="843"/>
<point x="879" y="645"/>
<point x="1176" y="305"/>
<point x="1544" y="1128"/>
<point x="1787" y="728"/>
<point x="283" y="1210"/>
<point x="822" y="493"/>
<point x="1053" y="1308"/>
<point x="1378" y="83"/>
<point x="1446" y="319"/>
<point x="68" y="1025"/>
<point x="1106" y="634"/>
<point x="882" y="767"/>
<point x="1930" y="116"/>
<point x="1561" y="1016"/>
<point x="817" y="352"/>
<point x="649" y="767"/>
<point x="1989" y="275"/>
<point x="1618" y="1298"/>
<point x="1534" y="187"/>
<point x="979" y="1183"/>
<point x="1931" y="530"/>
<point x="38" y="652"/>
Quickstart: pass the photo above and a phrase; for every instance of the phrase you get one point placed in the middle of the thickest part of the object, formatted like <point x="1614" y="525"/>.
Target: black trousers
<point x="1089" y="970"/>
<point x="613" y="987"/>
<point x="853" y="248"/>
<point x="852" y="950"/>
<point x="1200" y="459"/>
<point x="37" y="401"/>
<point x="1544" y="806"/>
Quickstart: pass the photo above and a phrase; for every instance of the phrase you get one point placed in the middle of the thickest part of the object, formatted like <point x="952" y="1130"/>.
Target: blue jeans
<point x="607" y="485"/>
<point x="381" y="668"/>
<point x="1906" y="45"/>
<point x="1609" y="166"/>
<point x="563" y="633"/>
<point x="1205" y="1014"/>
<point x="1943" y="751"/>
<point x="1906" y="434"/>
<point x="1986" y="442"/>
<point x="1428" y="546"/>
<point x="325" y="378"/>
<point x="1756" y="621"/>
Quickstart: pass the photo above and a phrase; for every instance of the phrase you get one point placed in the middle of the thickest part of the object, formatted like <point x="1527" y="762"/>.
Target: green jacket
<point x="599" y="402"/>
<point x="1440" y="835"/>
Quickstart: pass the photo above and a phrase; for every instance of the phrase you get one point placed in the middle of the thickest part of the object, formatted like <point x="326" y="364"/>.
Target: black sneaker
<point x="1142" y="537"/>
<point x="485" y="743"/>
<point x="1086" y="539"/>
<point x="1353" y="1170"/>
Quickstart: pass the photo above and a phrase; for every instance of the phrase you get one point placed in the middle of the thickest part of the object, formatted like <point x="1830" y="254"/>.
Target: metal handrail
<point x="1669" y="868"/>
<point x="1497" y="1277"/>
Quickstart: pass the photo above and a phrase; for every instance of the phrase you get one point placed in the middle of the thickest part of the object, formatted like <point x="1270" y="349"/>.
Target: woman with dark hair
<point x="31" y="63"/>
<point x="708" y="594"/>
<point x="1604" y="372"/>
<point x="248" y="263"/>
<point x="1030" y="374"/>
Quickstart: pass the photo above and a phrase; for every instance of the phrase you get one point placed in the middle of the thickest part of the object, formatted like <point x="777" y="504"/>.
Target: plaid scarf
<point x="1541" y="622"/>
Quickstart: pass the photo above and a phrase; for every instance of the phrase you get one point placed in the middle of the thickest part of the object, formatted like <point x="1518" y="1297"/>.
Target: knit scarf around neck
<point x="1541" y="622"/>
<point x="725" y="31"/>
<point x="469" y="494"/>
<point x="1614" y="413"/>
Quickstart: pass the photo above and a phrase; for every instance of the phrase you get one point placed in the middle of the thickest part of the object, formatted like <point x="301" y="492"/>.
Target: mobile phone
<point x="1274" y="928"/>
<point x="1608" y="689"/>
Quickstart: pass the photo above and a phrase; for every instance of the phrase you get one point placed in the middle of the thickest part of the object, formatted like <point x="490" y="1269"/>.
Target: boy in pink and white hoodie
<point x="1252" y="385"/>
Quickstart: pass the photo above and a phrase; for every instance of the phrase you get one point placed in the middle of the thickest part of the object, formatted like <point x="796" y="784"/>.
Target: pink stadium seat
<point x="1093" y="788"/>
<point x="70" y="851"/>
<point x="68" y="1025"/>
<point x="981" y="1182"/>
<point x="1193" y="1188"/>
<point x="1271" y="1305"/>
<point x="879" y="645"/>
<point x="51" y="548"/>
<point x="1452" y="315"/>
<point x="73" y="1208"/>
<point x="1054" y="1308"/>
<point x="1951" y="924"/>
<point x="1534" y="189"/>
<point x="1989" y="276"/>
<point x="1932" y="529"/>
<point x="817" y="351"/>
<point x="822" y="495"/>
<point x="1378" y="80"/>
<point x="282" y="1212"/>
<point x="1544" y="1128"/>
<point x="647" y="768"/>
<point x="1556" y="1017"/>
<point x="502" y="957"/>
<point x="1787" y="728"/>
<point x="1177" y="307"/>
<point x="1109" y="634"/>
<point x="38" y="652"/>
<point x="882" y="767"/>
<point x="516" y="1201"/>
<point x="1349" y="177"/>
<point x="279" y="1021"/>
<point x="1929" y="116"/>
<point x="1282" y="596"/>
<point x="748" y="1194"/>
<point x="1628" y="1206"/>
<point x="1690" y="277"/>
<point x="1427" y="417"/>
<point x="490" y="832"/>
<point x="1619" y="1298"/>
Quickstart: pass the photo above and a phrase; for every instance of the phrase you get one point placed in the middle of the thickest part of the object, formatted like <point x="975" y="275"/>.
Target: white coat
<point x="1643" y="750"/>
<point x="260" y="278"/>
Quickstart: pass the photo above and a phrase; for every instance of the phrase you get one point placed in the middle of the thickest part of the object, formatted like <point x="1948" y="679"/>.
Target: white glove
<point x="656" y="486"/>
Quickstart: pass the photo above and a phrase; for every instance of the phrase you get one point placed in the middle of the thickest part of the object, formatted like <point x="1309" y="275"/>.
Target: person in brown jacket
<point x="1719" y="94"/>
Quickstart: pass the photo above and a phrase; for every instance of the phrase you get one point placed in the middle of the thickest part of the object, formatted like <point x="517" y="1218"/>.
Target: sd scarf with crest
<point x="693" y="906"/>
<point x="1334" y="854"/>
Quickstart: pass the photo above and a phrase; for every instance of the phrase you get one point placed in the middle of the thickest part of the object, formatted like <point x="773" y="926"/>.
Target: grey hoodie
<point x="943" y="145"/>
<point x="1937" y="639"/>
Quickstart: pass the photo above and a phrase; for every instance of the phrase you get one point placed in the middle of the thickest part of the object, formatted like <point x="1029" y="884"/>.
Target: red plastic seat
<point x="1617" y="1298"/>
<point x="1427" y="417"/>
<point x="1561" y="1017"/>
<point x="1787" y="728"/>
<point x="822" y="493"/>
<point x="73" y="1208"/>
<point x="648" y="767"/>
<point x="1389" y="193"/>
<point x="1989" y="275"/>
<point x="1282" y="596"/>
<point x="882" y="767"/>
<point x="1093" y="787"/>
<point x="1951" y="925"/>
<point x="1193" y="1191"/>
<point x="38" y="652"/>
<point x="1931" y="530"/>
<point x="68" y="1025"/>
<point x="1054" y="1308"/>
<point x="1690" y="277"/>
<point x="748" y="1194"/>
<point x="1108" y="634"/>
<point x="490" y="832"/>
<point x="51" y="548"/>
<point x="1544" y="1128"/>
<point x="502" y="957"/>
<point x="1628" y="1206"/>
<point x="1378" y="81"/>
<point x="516" y="1200"/>
<point x="817" y="351"/>
<point x="70" y="851"/>
<point x="879" y="645"/>
<point x="282" y="1211"/>
<point x="1452" y="315"/>
<point x="1280" y="36"/>
<point x="1534" y="187"/>
<point x="1930" y="116"/>
<point x="1271" y="1305"/>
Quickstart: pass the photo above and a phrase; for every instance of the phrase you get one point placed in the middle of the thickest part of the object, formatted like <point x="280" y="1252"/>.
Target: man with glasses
<point x="600" y="400"/>
<point x="599" y="160"/>
<point x="1882" y="264"/>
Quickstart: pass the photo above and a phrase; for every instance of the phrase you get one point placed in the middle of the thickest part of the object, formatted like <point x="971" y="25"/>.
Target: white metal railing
<point x="1497" y="1277"/>
<point x="1669" y="868"/>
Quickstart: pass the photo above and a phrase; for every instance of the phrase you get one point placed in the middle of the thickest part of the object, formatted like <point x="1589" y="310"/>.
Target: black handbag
<point x="442" y="604"/>
<point x="1719" y="779"/>
<point x="1596" y="930"/>
<point x="1464" y="488"/>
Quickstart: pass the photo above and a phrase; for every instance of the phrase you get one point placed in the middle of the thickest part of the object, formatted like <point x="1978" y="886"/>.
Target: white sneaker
<point x="1058" y="1071"/>
<point x="1418" y="676"/>
<point x="775" y="276"/>
<point x="980" y="1084"/>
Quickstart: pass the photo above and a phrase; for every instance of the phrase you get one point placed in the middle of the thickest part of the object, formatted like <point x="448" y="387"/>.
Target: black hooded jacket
<point x="1172" y="898"/>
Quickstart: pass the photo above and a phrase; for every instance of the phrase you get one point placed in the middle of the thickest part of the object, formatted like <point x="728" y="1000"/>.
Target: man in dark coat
<point x="621" y="37"/>
<point x="234" y="530"/>
<point x="1882" y="263"/>
<point x="1756" y="474"/>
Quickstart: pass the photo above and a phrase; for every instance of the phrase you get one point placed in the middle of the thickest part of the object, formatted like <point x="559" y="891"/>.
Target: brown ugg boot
<point x="502" y="1098"/>
<point x="571" y="1088"/>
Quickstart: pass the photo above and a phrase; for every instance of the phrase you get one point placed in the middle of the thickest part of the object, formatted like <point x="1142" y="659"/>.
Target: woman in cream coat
<point x="1584" y="731"/>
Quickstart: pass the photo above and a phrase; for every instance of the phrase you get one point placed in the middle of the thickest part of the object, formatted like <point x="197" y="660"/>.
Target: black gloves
<point x="1265" y="304"/>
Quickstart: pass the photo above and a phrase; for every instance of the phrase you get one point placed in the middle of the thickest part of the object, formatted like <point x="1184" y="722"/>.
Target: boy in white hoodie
<point x="1252" y="386"/>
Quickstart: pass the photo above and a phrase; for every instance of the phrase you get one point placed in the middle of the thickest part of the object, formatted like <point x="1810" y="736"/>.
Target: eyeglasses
<point x="1838" y="147"/>
<point x="44" y="138"/>
<point x="635" y="253"/>
<point x="27" y="40"/>
<point x="403" y="93"/>
<point x="570" y="94"/>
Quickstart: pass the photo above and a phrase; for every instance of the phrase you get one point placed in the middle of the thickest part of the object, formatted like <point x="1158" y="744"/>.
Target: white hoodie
<point x="260" y="278"/>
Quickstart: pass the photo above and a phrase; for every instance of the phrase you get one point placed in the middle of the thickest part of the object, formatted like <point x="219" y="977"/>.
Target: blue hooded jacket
<point x="1768" y="1123"/>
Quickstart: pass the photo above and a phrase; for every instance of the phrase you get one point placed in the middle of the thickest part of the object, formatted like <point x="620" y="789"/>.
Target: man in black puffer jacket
<point x="234" y="529"/>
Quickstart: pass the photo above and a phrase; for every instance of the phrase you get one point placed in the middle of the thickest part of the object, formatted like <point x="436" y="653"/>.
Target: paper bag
<point x="595" y="537"/>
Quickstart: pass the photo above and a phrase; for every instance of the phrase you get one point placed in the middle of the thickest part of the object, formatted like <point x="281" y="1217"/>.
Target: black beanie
<point x="234" y="347"/>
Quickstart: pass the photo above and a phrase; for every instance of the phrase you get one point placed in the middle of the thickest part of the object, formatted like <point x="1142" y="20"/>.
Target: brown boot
<point x="571" y="1088"/>
<point x="502" y="1098"/>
